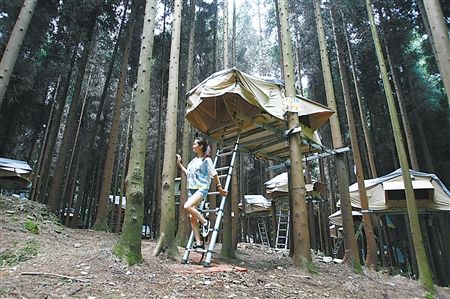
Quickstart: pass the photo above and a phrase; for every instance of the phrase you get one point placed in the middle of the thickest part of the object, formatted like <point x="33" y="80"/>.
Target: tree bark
<point x="167" y="229"/>
<point x="351" y="252"/>
<point x="183" y="225"/>
<point x="68" y="189"/>
<point x="227" y="246"/>
<point x="403" y="113"/>
<point x="439" y="35"/>
<point x="67" y="143"/>
<point x="423" y="143"/>
<point x="301" y="239"/>
<point x="424" y="269"/>
<point x="45" y="145"/>
<point x="234" y="198"/>
<point x="226" y="63"/>
<point x="125" y="167"/>
<point x="53" y="134"/>
<point x="129" y="245"/>
<point x="101" y="222"/>
<point x="14" y="44"/>
<point x="367" y="139"/>
<point x="371" y="257"/>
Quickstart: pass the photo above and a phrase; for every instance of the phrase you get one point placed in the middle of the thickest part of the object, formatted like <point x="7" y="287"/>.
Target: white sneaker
<point x="205" y="228"/>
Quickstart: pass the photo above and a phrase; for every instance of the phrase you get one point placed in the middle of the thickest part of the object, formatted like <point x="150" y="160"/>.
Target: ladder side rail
<point x="287" y="230"/>
<point x="215" y="233"/>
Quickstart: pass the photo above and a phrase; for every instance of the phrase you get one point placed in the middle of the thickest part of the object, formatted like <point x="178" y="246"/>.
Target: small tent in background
<point x="386" y="194"/>
<point x="278" y="186"/>
<point x="257" y="217"/>
<point x="389" y="213"/>
<point x="15" y="175"/>
<point x="277" y="189"/>
<point x="255" y="204"/>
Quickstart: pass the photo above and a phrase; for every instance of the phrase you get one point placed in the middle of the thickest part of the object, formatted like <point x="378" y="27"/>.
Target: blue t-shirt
<point x="199" y="173"/>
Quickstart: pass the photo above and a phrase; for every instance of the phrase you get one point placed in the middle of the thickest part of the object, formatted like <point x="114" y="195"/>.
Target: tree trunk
<point x="302" y="254"/>
<point x="367" y="139"/>
<point x="424" y="269"/>
<point x="129" y="245"/>
<point x="82" y="178"/>
<point x="124" y="167"/>
<point x="226" y="63"/>
<point x="233" y="39"/>
<point x="227" y="232"/>
<point x="167" y="230"/>
<point x="439" y="35"/>
<point x="14" y="44"/>
<point x="403" y="113"/>
<point x="44" y="147"/>
<point x="215" y="56"/>
<point x="227" y="243"/>
<point x="371" y="257"/>
<point x="423" y="143"/>
<point x="234" y="198"/>
<point x="351" y="252"/>
<point x="53" y="135"/>
<point x="74" y="157"/>
<point x="183" y="224"/>
<point x="67" y="143"/>
<point x="101" y="222"/>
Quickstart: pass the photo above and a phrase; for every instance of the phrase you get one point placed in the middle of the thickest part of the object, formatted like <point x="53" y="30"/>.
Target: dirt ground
<point x="41" y="259"/>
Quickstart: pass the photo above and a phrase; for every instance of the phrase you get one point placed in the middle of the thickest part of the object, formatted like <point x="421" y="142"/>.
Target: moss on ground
<point x="11" y="257"/>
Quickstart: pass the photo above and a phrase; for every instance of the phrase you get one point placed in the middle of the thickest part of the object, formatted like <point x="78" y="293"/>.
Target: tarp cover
<point x="336" y="217"/>
<point x="376" y="189"/>
<point x="280" y="184"/>
<point x="14" y="172"/>
<point x="256" y="203"/>
<point x="230" y="100"/>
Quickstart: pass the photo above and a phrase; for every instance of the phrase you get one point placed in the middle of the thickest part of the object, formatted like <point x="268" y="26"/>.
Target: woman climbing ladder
<point x="199" y="173"/>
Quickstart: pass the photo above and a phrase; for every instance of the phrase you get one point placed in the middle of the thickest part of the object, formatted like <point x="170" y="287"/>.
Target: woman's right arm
<point x="181" y="165"/>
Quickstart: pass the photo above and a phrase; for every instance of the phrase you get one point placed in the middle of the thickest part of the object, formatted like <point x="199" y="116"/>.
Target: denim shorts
<point x="203" y="192"/>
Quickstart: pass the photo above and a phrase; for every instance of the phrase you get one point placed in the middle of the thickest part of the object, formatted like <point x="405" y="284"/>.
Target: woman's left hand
<point x="223" y="192"/>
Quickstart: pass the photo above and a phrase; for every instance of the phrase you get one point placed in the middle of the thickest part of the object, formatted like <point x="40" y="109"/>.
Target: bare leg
<point x="195" y="229"/>
<point x="191" y="207"/>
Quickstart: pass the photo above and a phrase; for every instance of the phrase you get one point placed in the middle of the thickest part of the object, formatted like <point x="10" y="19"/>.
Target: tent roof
<point x="336" y="217"/>
<point x="256" y="203"/>
<point x="230" y="101"/>
<point x="279" y="183"/>
<point x="14" y="172"/>
<point x="376" y="192"/>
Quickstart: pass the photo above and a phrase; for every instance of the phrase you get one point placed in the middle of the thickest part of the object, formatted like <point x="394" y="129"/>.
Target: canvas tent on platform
<point x="231" y="103"/>
<point x="386" y="194"/>
<point x="14" y="173"/>
<point x="255" y="204"/>
<point x="279" y="186"/>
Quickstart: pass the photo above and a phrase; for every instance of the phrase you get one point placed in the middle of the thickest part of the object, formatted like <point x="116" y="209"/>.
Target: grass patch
<point x="31" y="226"/>
<point x="311" y="267"/>
<point x="13" y="257"/>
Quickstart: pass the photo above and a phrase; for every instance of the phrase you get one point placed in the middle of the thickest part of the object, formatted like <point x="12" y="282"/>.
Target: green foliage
<point x="13" y="257"/>
<point x="31" y="226"/>
<point x="310" y="266"/>
<point x="429" y="295"/>
<point x="120" y="250"/>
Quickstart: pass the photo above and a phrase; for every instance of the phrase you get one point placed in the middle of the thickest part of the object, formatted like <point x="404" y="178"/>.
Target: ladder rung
<point x="222" y="175"/>
<point x="208" y="210"/>
<point x="214" y="193"/>
<point x="222" y="168"/>
<point x="225" y="154"/>
<point x="198" y="250"/>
